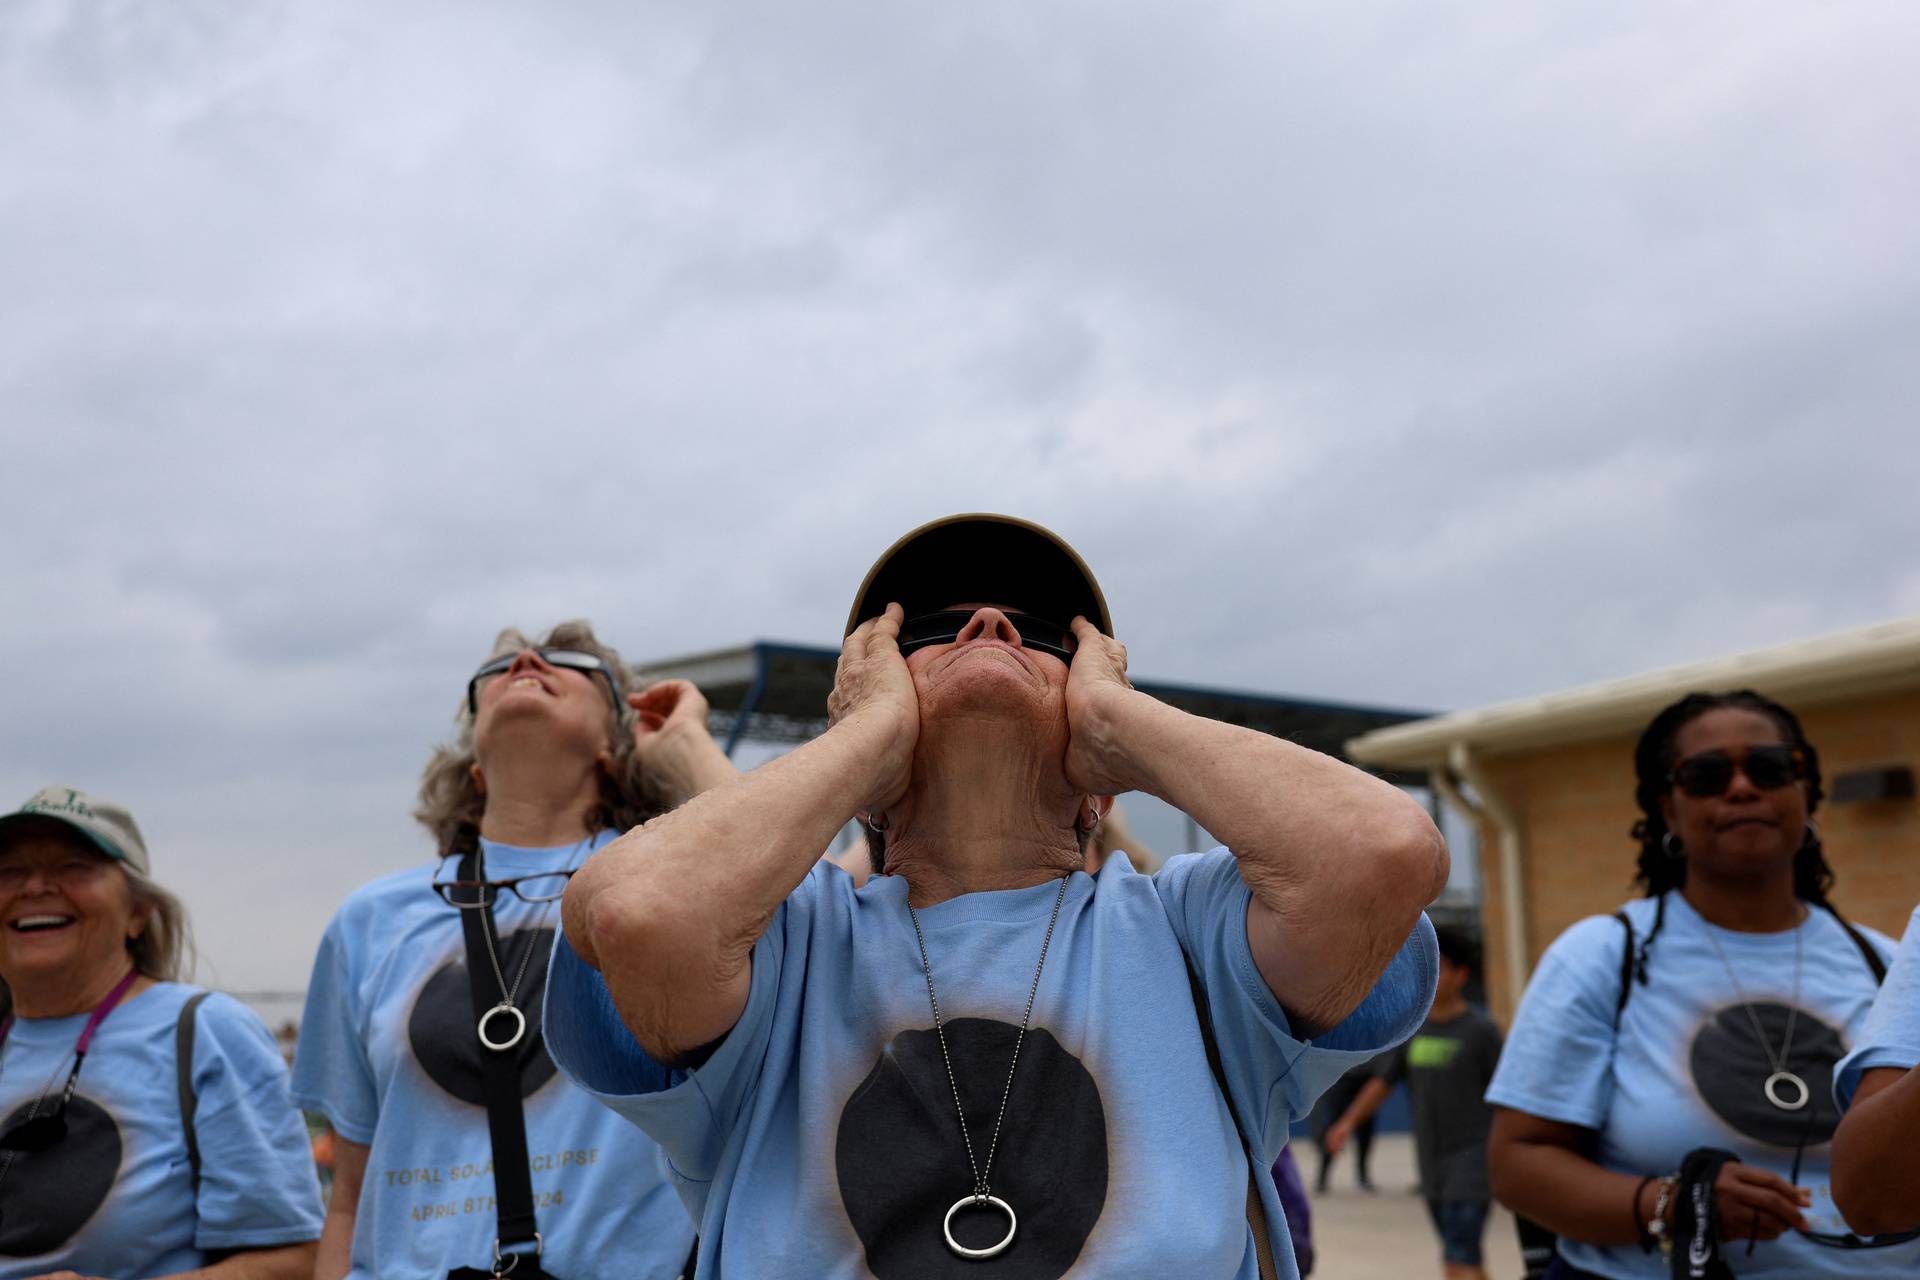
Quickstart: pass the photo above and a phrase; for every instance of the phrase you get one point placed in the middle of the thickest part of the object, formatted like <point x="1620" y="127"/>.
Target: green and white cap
<point x="106" y="824"/>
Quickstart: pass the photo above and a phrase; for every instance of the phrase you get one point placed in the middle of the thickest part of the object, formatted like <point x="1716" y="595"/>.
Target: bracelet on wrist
<point x="1639" y="1224"/>
<point x="1657" y="1225"/>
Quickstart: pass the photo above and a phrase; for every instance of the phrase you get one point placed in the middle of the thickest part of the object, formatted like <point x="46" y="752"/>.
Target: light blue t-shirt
<point x="821" y="1140"/>
<point x="1687" y="1069"/>
<point x="1891" y="1035"/>
<point x="389" y="1054"/>
<point x="115" y="1196"/>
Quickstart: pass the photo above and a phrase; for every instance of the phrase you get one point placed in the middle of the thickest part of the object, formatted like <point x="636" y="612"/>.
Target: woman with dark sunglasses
<point x="985" y="1061"/>
<point x="145" y="1127"/>
<point x="403" y="1042"/>
<point x="1667" y="1081"/>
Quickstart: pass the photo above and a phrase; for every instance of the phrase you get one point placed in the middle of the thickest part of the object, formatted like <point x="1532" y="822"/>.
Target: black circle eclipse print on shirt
<point x="441" y="1030"/>
<point x="901" y="1162"/>
<point x="47" y="1196"/>
<point x="1730" y="1070"/>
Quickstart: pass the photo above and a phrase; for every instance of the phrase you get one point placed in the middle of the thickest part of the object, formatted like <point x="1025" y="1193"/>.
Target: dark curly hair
<point x="1657" y="871"/>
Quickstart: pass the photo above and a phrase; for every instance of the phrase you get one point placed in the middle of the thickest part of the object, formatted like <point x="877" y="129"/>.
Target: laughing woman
<point x="1667" y="1082"/>
<point x="422" y="1039"/>
<point x="176" y="1150"/>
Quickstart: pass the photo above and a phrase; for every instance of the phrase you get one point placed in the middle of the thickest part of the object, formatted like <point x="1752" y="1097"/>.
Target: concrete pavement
<point x="1386" y="1235"/>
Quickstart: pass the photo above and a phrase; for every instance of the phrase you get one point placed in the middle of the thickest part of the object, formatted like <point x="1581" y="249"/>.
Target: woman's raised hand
<point x="1096" y="686"/>
<point x="872" y="687"/>
<point x="665" y="709"/>
<point x="671" y="743"/>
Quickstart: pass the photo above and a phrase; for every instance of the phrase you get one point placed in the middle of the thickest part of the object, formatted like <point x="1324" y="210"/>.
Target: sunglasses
<point x="1835" y="1239"/>
<point x="945" y="627"/>
<point x="1711" y="772"/>
<point x="567" y="659"/>
<point x="1832" y="1240"/>
<point x="547" y="886"/>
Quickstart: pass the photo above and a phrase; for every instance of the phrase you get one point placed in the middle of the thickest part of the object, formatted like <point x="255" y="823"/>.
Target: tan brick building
<point x="1549" y="783"/>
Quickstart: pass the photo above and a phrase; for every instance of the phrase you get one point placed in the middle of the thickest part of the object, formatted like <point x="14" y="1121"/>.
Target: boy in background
<point x="1447" y="1066"/>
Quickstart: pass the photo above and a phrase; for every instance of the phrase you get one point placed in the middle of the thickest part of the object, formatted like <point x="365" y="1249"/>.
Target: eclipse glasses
<point x="566" y="659"/>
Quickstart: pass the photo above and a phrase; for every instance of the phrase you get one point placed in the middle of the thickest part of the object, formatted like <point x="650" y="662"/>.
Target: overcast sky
<point x="1399" y="352"/>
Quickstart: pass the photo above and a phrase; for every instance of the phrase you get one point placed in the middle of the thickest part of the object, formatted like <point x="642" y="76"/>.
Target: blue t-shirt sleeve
<point x="1891" y="1035"/>
<point x="257" y="1183"/>
<point x="331" y="1072"/>
<point x="1558" y="1059"/>
<point x="691" y="1114"/>
<point x="1275" y="1076"/>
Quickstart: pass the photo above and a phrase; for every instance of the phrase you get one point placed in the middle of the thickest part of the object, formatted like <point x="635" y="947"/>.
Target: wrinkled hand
<point x="1756" y="1204"/>
<point x="1096" y="685"/>
<point x="872" y="687"/>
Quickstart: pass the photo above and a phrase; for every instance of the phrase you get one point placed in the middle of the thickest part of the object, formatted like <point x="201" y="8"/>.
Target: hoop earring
<point x="877" y="822"/>
<point x="1670" y="846"/>
<point x="1811" y="839"/>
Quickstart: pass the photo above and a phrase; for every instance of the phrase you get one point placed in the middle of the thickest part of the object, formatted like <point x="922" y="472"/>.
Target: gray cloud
<point x="1412" y="356"/>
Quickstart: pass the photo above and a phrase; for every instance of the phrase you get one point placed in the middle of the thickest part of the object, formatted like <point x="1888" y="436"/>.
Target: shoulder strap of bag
<point x="183" y="1077"/>
<point x="1626" y="970"/>
<point x="500" y="1083"/>
<point x="1867" y="950"/>
<point x="1256" y="1211"/>
<point x="1537" y="1243"/>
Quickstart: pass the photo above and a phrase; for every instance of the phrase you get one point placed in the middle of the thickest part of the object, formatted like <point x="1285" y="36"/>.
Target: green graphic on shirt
<point x="1432" y="1052"/>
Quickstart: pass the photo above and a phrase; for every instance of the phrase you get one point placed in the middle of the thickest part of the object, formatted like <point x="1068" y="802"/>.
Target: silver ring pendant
<point x="963" y="1202"/>
<point x="1792" y="1081"/>
<point x="519" y="1028"/>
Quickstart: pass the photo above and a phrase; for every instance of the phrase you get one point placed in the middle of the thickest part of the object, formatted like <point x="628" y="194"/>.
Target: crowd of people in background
<point x="629" y="1021"/>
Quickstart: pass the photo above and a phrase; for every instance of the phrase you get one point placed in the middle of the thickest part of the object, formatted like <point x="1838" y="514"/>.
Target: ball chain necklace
<point x="982" y="1195"/>
<point x="507" y="1008"/>
<point x="1782" y="1078"/>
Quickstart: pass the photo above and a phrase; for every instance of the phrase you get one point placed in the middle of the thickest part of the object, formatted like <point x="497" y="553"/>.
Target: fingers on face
<point x="885" y="635"/>
<point x="1090" y="637"/>
<point x="659" y="700"/>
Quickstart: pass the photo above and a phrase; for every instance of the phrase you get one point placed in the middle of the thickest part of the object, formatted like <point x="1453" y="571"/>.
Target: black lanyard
<point x="517" y="1240"/>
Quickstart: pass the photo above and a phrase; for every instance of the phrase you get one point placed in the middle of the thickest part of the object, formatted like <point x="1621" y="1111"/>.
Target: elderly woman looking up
<point x="422" y="1043"/>
<point x="177" y="1149"/>
<point x="986" y="1062"/>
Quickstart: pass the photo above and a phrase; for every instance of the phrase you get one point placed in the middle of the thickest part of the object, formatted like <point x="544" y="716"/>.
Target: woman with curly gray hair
<point x="422" y="1042"/>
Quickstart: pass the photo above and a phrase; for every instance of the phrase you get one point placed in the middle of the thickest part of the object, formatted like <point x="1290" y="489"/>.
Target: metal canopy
<point x="775" y="692"/>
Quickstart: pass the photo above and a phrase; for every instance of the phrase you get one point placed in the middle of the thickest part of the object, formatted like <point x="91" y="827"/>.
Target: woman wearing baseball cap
<point x="985" y="1062"/>
<point x="176" y="1148"/>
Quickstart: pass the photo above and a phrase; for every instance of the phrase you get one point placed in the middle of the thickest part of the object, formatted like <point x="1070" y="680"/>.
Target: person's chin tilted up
<point x="458" y="1153"/>
<point x="985" y="1062"/>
